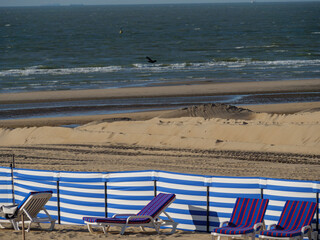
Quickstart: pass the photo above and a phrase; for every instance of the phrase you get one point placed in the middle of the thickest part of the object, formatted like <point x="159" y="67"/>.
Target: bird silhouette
<point x="150" y="60"/>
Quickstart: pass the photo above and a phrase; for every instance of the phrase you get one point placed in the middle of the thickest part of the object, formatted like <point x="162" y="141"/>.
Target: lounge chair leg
<point x="90" y="228"/>
<point x="105" y="230"/>
<point x="174" y="228"/>
<point x="29" y="227"/>
<point x="15" y="225"/>
<point x="142" y="228"/>
<point x="53" y="223"/>
<point x="156" y="227"/>
<point x="123" y="229"/>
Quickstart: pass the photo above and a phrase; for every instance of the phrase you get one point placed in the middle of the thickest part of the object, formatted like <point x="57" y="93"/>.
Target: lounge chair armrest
<point x="305" y="228"/>
<point x="139" y="216"/>
<point x="222" y="224"/>
<point x="123" y="215"/>
<point x="257" y="226"/>
<point x="270" y="227"/>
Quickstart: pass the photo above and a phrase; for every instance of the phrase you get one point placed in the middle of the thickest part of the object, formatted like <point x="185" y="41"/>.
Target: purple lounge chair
<point x="148" y="216"/>
<point x="294" y="222"/>
<point x="246" y="219"/>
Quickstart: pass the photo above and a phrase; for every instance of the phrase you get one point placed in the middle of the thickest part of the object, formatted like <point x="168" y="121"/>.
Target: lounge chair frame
<point x="155" y="222"/>
<point x="29" y="209"/>
<point x="305" y="231"/>
<point x="256" y="228"/>
<point x="300" y="237"/>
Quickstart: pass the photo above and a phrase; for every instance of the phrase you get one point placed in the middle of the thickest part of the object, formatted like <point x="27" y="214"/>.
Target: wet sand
<point x="312" y="85"/>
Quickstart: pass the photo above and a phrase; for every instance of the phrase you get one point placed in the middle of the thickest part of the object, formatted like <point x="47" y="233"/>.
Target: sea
<point x="51" y="48"/>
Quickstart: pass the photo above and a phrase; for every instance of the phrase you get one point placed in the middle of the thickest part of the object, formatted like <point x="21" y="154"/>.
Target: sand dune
<point x="219" y="127"/>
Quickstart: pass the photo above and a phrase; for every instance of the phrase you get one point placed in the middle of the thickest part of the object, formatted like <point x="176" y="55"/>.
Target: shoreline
<point x="212" y="89"/>
<point x="281" y="108"/>
<point x="85" y="103"/>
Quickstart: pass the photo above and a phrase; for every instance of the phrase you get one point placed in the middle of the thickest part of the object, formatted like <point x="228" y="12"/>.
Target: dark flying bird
<point x="150" y="60"/>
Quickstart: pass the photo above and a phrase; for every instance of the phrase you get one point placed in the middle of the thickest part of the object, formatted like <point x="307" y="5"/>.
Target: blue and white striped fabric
<point x="190" y="207"/>
<point x="26" y="181"/>
<point x="98" y="194"/>
<point x="81" y="194"/>
<point x="224" y="192"/>
<point x="129" y="192"/>
<point x="5" y="186"/>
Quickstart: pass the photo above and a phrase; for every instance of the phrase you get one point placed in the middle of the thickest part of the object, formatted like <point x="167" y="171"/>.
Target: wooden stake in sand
<point x="23" y="231"/>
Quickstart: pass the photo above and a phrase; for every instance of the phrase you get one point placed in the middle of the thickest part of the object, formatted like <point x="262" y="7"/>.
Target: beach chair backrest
<point x="296" y="214"/>
<point x="34" y="202"/>
<point x="248" y="211"/>
<point x="157" y="205"/>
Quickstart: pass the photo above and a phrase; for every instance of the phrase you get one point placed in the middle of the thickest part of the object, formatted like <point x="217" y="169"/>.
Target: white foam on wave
<point x="39" y="70"/>
<point x="235" y="63"/>
<point x="281" y="51"/>
<point x="291" y="62"/>
<point x="158" y="67"/>
<point x="258" y="46"/>
<point x="150" y="68"/>
<point x="270" y="46"/>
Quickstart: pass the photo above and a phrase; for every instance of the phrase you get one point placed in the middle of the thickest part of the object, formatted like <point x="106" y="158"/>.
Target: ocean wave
<point x="148" y="68"/>
<point x="44" y="70"/>
<point x="281" y="51"/>
<point x="258" y="46"/>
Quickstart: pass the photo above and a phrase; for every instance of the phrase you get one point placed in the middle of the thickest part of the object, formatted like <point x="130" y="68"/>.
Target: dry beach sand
<point x="66" y="232"/>
<point x="275" y="140"/>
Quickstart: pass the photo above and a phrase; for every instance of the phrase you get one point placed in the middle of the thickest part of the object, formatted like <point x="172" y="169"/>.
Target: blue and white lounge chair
<point x="149" y="216"/>
<point x="294" y="223"/>
<point x="246" y="219"/>
<point x="30" y="206"/>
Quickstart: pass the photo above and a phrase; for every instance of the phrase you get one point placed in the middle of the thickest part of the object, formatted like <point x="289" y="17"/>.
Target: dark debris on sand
<point x="212" y="110"/>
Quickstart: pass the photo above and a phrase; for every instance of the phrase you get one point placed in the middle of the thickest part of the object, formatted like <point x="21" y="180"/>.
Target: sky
<point x="4" y="3"/>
